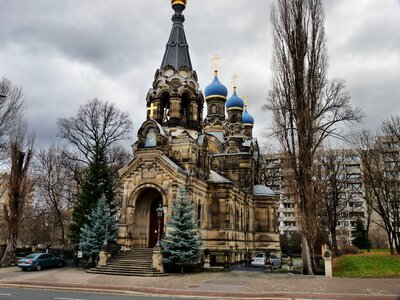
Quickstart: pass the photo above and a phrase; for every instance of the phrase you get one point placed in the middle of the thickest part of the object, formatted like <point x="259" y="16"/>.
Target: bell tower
<point x="175" y="97"/>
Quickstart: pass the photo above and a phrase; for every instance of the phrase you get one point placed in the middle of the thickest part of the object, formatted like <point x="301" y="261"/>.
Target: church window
<point x="165" y="107"/>
<point x="213" y="109"/>
<point x="185" y="108"/>
<point x="199" y="214"/>
<point x="214" y="213"/>
<point x="151" y="138"/>
<point x="232" y="149"/>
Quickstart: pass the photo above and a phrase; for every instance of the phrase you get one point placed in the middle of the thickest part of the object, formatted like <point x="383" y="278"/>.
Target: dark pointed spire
<point x="177" y="49"/>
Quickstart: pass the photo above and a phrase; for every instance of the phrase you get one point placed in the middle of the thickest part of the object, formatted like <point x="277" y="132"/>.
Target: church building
<point x="202" y="142"/>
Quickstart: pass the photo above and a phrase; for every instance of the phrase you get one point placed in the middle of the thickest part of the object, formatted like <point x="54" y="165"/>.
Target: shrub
<point x="349" y="249"/>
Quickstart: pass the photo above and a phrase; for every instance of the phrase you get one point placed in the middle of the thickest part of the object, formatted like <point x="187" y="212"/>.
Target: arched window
<point x="151" y="138"/>
<point x="165" y="107"/>
<point x="185" y="108"/>
<point x="213" y="109"/>
<point x="199" y="214"/>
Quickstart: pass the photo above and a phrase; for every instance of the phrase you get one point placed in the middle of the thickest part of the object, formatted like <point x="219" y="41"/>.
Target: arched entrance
<point x="145" y="218"/>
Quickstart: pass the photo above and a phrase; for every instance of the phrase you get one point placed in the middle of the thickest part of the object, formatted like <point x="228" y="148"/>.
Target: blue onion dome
<point x="247" y="119"/>
<point x="216" y="89"/>
<point x="235" y="102"/>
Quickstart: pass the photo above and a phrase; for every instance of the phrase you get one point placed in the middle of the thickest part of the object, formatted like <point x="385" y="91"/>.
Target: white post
<point x="328" y="263"/>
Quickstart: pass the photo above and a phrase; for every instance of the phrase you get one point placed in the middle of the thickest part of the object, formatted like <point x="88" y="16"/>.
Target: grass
<point x="376" y="250"/>
<point x="373" y="264"/>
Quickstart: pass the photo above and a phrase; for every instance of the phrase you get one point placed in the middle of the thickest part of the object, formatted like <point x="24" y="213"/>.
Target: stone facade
<point x="216" y="161"/>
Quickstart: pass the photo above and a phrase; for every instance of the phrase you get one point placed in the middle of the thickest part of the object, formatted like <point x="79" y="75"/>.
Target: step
<point x="126" y="273"/>
<point x="136" y="262"/>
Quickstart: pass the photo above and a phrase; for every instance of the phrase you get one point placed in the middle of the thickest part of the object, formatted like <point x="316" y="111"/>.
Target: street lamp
<point x="106" y="235"/>
<point x="160" y="214"/>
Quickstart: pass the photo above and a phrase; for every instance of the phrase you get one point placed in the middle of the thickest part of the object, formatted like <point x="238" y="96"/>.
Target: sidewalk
<point x="230" y="285"/>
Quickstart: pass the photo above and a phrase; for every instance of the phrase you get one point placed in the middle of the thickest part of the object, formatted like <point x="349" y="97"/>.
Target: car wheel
<point x="38" y="267"/>
<point x="60" y="264"/>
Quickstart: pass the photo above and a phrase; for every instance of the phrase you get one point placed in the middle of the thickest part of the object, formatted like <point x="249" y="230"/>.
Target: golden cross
<point x="245" y="98"/>
<point x="234" y="81"/>
<point x="215" y="61"/>
<point x="152" y="108"/>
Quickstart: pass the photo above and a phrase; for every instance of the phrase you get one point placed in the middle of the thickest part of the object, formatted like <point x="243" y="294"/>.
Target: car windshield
<point x="260" y="255"/>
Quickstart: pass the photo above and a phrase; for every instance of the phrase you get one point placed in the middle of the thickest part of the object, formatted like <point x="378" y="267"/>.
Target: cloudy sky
<point x="66" y="52"/>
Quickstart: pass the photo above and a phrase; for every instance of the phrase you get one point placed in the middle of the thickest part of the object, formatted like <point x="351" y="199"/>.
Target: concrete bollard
<point x="328" y="263"/>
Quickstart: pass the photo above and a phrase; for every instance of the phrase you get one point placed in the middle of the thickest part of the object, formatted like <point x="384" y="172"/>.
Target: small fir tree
<point x="182" y="243"/>
<point x="98" y="181"/>
<point x="360" y="235"/>
<point x="101" y="225"/>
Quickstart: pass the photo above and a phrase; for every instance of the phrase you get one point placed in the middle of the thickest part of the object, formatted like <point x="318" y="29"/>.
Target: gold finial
<point x="215" y="60"/>
<point x="234" y="81"/>
<point x="152" y="108"/>
<point x="245" y="98"/>
<point x="181" y="2"/>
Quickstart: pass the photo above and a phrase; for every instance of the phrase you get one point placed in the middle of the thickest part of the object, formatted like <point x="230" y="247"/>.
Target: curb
<point x="123" y="290"/>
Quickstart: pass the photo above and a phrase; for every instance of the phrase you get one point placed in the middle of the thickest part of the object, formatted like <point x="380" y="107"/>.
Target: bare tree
<point x="306" y="107"/>
<point x="381" y="171"/>
<point x="11" y="102"/>
<point x="335" y="195"/>
<point x="96" y="124"/>
<point x="19" y="188"/>
<point x="53" y="185"/>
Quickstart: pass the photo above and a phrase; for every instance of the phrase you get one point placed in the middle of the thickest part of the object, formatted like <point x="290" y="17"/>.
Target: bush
<point x="349" y="249"/>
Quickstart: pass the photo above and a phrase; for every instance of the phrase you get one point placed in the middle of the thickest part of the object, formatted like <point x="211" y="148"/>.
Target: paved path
<point x="225" y="284"/>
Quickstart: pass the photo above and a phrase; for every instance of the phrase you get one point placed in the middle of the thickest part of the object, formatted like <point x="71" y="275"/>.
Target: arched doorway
<point x="145" y="232"/>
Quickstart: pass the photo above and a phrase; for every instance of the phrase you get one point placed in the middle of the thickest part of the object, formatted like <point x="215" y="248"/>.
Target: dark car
<point x="38" y="261"/>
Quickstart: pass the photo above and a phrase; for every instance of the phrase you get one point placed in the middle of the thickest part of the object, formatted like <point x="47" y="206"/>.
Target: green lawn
<point x="367" y="265"/>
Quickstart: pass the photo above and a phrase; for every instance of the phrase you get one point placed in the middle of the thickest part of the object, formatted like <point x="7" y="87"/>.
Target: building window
<point x="289" y="223"/>
<point x="151" y="138"/>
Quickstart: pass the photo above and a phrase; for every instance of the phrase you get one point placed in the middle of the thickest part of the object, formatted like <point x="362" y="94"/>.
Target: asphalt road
<point x="32" y="294"/>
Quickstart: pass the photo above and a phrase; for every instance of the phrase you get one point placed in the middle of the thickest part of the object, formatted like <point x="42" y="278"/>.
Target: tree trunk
<point x="9" y="255"/>
<point x="390" y="244"/>
<point x="306" y="255"/>
<point x="334" y="243"/>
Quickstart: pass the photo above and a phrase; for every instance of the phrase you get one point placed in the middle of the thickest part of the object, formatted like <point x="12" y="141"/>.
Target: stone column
<point x="102" y="258"/>
<point x="158" y="259"/>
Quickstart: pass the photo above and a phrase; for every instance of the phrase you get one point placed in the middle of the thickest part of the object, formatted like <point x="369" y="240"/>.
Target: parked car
<point x="261" y="260"/>
<point x="39" y="261"/>
<point x="273" y="262"/>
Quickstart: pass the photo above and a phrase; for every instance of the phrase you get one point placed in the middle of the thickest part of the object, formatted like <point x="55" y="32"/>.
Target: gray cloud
<point x="64" y="53"/>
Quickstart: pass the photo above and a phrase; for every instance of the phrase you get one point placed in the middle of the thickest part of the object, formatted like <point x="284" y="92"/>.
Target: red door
<point x="153" y="234"/>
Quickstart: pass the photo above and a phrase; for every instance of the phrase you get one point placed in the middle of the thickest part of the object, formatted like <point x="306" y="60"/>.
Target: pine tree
<point x="182" y="243"/>
<point x="101" y="225"/>
<point x="98" y="181"/>
<point x="360" y="235"/>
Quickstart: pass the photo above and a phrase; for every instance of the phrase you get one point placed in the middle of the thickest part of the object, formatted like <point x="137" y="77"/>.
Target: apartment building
<point x="276" y="174"/>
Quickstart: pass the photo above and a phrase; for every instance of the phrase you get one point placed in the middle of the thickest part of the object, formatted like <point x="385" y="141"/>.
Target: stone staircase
<point x="137" y="262"/>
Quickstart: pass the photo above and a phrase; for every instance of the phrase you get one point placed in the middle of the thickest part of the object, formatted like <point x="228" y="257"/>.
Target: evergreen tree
<point x="182" y="243"/>
<point x="97" y="181"/>
<point x="360" y="235"/>
<point x="101" y="225"/>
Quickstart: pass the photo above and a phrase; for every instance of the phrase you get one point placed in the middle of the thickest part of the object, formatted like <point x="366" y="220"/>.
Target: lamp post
<point x="106" y="235"/>
<point x="160" y="214"/>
